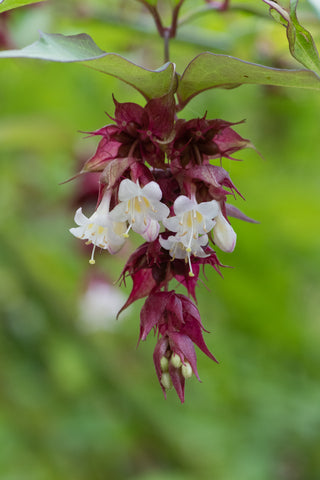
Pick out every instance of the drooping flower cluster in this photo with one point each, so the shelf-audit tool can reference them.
(156, 179)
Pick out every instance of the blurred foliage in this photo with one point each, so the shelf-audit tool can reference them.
(88, 406)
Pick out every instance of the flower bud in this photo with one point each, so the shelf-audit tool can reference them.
(164, 364)
(176, 360)
(186, 370)
(166, 381)
(223, 234)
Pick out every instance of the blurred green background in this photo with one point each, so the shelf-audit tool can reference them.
(78, 400)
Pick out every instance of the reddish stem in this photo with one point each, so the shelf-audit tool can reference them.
(174, 22)
(156, 17)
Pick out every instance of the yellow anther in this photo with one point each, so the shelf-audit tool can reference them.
(92, 261)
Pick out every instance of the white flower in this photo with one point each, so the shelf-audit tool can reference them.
(223, 234)
(178, 250)
(141, 207)
(191, 223)
(192, 219)
(100, 229)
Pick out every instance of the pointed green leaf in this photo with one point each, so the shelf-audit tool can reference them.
(10, 4)
(301, 43)
(209, 70)
(59, 48)
(81, 48)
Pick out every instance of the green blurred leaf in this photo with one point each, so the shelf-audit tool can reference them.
(10, 4)
(301, 43)
(81, 48)
(209, 70)
(150, 2)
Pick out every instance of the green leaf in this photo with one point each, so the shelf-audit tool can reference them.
(59, 48)
(10, 4)
(209, 70)
(151, 2)
(81, 48)
(301, 43)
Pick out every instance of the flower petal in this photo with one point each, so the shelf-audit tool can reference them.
(183, 204)
(152, 231)
(80, 218)
(209, 209)
(152, 192)
(172, 223)
(128, 189)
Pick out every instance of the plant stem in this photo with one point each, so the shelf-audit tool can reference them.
(164, 32)
(166, 39)
(156, 17)
(174, 22)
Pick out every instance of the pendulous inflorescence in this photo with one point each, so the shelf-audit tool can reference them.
(156, 179)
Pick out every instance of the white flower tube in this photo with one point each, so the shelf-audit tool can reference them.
(100, 229)
(223, 234)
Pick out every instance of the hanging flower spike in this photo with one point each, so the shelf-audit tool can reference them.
(141, 207)
(100, 229)
(192, 223)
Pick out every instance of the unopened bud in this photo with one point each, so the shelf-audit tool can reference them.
(166, 381)
(223, 234)
(164, 364)
(176, 360)
(186, 370)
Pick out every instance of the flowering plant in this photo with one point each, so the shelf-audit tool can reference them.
(162, 176)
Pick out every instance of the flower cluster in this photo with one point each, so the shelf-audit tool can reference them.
(156, 179)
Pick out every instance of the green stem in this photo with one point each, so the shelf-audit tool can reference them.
(166, 39)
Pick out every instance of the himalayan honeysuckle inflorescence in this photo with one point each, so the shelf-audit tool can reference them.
(157, 180)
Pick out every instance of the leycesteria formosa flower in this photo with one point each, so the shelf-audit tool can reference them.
(141, 208)
(100, 229)
(192, 223)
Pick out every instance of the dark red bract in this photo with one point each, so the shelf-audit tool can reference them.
(179, 325)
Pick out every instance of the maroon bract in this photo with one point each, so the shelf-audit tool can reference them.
(179, 326)
(139, 133)
(199, 139)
